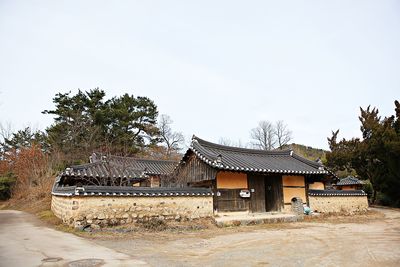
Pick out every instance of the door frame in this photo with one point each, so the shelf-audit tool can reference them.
(273, 196)
(256, 185)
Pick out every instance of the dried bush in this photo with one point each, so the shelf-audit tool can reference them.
(154, 224)
(33, 174)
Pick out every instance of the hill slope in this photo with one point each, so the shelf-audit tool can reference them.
(307, 152)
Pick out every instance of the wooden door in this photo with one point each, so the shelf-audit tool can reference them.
(273, 193)
(230, 200)
(257, 191)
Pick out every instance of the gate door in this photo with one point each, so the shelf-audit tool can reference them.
(257, 191)
(273, 193)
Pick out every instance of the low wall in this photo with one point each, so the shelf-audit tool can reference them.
(338, 204)
(79, 211)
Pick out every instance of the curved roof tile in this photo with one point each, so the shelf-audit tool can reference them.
(149, 166)
(280, 161)
(350, 180)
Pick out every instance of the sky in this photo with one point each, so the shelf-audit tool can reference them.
(215, 67)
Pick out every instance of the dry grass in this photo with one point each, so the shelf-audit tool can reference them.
(32, 203)
(149, 228)
(35, 200)
(200, 228)
(206, 228)
(48, 217)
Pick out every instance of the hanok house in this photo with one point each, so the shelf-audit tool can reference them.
(252, 180)
(104, 192)
(155, 170)
(349, 183)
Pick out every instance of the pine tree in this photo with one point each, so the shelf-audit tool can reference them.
(376, 157)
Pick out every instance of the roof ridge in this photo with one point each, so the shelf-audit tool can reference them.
(307, 161)
(159, 160)
(203, 142)
(86, 164)
(134, 158)
(100, 163)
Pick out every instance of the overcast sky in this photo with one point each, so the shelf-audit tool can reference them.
(216, 67)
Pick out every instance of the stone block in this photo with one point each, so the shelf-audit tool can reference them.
(95, 226)
(339, 204)
(93, 210)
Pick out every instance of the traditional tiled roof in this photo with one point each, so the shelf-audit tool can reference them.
(124, 191)
(253, 160)
(114, 169)
(315, 192)
(102, 169)
(350, 180)
(149, 166)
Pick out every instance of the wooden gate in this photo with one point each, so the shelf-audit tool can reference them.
(266, 193)
(230, 200)
(273, 193)
(257, 191)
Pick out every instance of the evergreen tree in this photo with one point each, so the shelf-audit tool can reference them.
(25, 138)
(376, 157)
(132, 123)
(78, 122)
(87, 121)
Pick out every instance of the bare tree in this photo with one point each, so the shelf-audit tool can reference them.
(5, 134)
(173, 140)
(263, 136)
(283, 134)
(267, 135)
(228, 142)
(5, 131)
(225, 141)
(241, 144)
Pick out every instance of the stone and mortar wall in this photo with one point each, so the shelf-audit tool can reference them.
(97, 211)
(338, 204)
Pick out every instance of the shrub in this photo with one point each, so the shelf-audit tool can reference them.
(368, 189)
(6, 183)
(385, 200)
(155, 224)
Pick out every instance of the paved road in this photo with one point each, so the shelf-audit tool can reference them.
(24, 241)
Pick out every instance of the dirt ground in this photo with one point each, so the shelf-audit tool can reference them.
(362, 240)
(371, 239)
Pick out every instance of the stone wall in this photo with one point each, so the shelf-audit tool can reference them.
(97, 211)
(338, 204)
